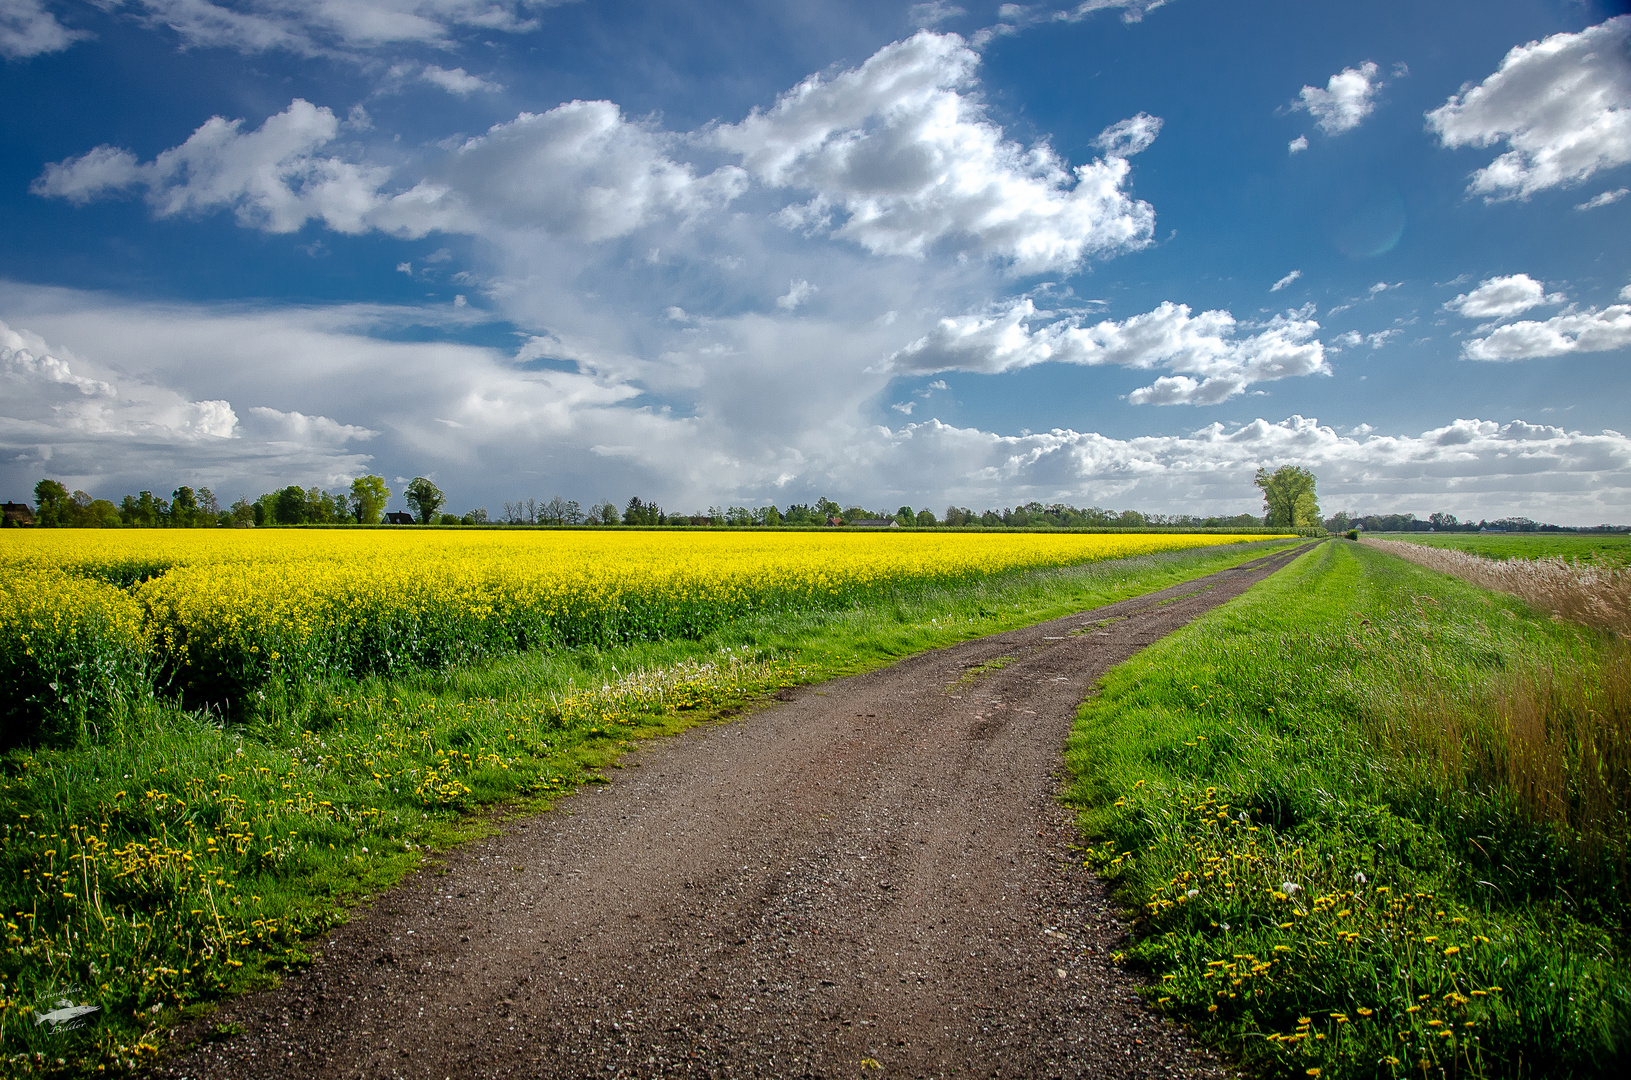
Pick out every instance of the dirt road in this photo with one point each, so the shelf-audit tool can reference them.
(873, 877)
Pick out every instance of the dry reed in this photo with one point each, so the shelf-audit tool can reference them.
(1596, 596)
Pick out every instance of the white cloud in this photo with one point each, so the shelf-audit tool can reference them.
(1606, 198)
(1297, 145)
(457, 81)
(272, 177)
(579, 170)
(1130, 136)
(27, 29)
(1470, 467)
(1347, 99)
(1578, 332)
(933, 13)
(904, 153)
(1502, 297)
(1287, 280)
(1349, 340)
(312, 27)
(797, 292)
(105, 426)
(1562, 106)
(1381, 287)
(725, 445)
(1209, 363)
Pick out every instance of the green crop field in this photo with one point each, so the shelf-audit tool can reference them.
(1374, 821)
(1612, 549)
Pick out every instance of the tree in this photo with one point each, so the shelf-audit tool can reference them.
(289, 506)
(368, 498)
(52, 500)
(603, 513)
(183, 507)
(925, 518)
(425, 497)
(1288, 497)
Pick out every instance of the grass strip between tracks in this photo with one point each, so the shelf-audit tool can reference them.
(1373, 822)
(175, 860)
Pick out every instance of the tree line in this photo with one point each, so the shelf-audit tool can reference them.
(363, 503)
(1288, 502)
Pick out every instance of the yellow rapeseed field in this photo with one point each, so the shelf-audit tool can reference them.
(216, 612)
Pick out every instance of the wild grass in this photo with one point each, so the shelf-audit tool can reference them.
(1374, 822)
(171, 858)
(1608, 549)
(1597, 594)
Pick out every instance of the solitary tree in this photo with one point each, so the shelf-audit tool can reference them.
(368, 498)
(1288, 497)
(52, 500)
(425, 497)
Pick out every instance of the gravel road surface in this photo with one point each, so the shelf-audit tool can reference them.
(869, 877)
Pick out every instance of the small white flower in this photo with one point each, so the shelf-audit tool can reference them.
(1359, 876)
(1289, 887)
(1193, 892)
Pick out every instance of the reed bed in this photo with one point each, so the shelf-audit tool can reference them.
(1594, 595)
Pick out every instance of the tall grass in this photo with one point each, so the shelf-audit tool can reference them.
(1374, 823)
(1597, 595)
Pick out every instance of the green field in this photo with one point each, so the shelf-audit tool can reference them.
(1374, 822)
(173, 859)
(1613, 549)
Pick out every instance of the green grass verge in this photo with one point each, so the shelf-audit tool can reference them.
(1611, 549)
(176, 859)
(1330, 877)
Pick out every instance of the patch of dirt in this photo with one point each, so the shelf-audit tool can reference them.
(872, 878)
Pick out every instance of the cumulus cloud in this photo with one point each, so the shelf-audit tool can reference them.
(900, 157)
(1578, 332)
(27, 29)
(1606, 198)
(797, 292)
(457, 81)
(86, 428)
(314, 27)
(1502, 297)
(1476, 466)
(580, 170)
(1287, 280)
(933, 13)
(1297, 145)
(1562, 106)
(1209, 363)
(1348, 97)
(272, 178)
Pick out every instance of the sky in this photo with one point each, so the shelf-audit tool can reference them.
(1120, 253)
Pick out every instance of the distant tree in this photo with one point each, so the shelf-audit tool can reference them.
(243, 512)
(905, 516)
(738, 515)
(603, 513)
(642, 513)
(51, 502)
(289, 505)
(368, 498)
(478, 516)
(143, 510)
(449, 519)
(183, 507)
(1288, 497)
(425, 497)
(771, 516)
(925, 518)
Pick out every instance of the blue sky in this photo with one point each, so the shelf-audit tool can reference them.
(1121, 252)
